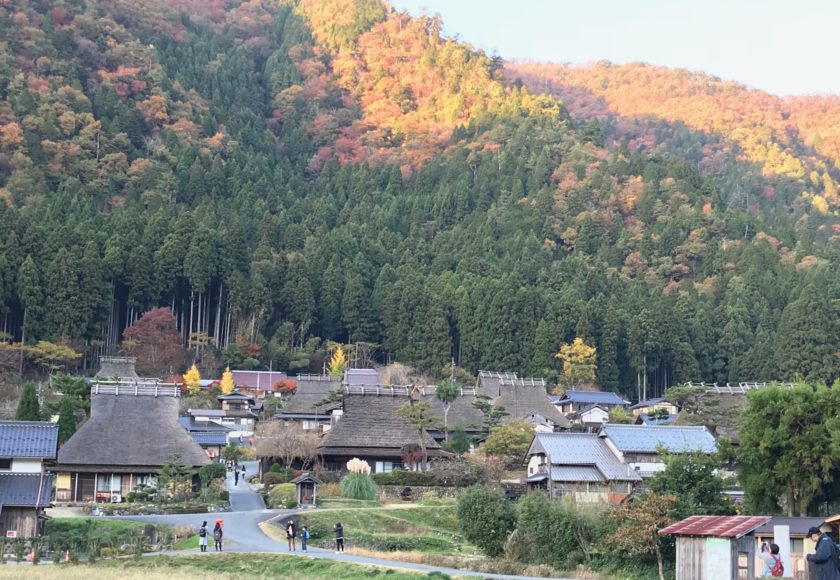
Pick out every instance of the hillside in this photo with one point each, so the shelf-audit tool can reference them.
(281, 174)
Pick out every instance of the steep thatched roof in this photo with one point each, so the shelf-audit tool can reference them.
(369, 423)
(519, 396)
(132, 431)
(117, 366)
(311, 390)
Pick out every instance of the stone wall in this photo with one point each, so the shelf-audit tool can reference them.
(420, 491)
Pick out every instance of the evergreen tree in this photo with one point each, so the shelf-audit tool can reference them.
(28, 408)
(808, 339)
(66, 419)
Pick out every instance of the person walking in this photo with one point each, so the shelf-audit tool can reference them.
(304, 538)
(339, 538)
(824, 556)
(202, 537)
(243, 473)
(235, 475)
(291, 534)
(218, 535)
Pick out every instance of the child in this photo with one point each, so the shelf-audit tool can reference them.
(291, 532)
(304, 537)
(218, 534)
(202, 537)
(339, 538)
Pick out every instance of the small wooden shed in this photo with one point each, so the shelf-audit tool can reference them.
(306, 487)
(716, 547)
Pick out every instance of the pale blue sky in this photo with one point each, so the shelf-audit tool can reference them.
(785, 47)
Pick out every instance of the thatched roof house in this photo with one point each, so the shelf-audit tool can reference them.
(520, 397)
(132, 432)
(370, 429)
(307, 404)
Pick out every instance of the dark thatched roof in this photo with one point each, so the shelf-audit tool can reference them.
(130, 433)
(117, 366)
(370, 422)
(311, 390)
(519, 396)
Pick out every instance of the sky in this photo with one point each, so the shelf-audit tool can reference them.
(784, 47)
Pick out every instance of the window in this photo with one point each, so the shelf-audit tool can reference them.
(5, 463)
(384, 467)
(103, 483)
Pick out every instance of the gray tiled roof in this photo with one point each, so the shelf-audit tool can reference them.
(798, 526)
(648, 403)
(191, 424)
(590, 398)
(579, 450)
(646, 438)
(21, 489)
(28, 439)
(575, 473)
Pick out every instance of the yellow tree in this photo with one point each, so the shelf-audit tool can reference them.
(227, 382)
(578, 361)
(338, 362)
(192, 379)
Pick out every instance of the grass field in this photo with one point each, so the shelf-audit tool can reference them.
(216, 566)
(422, 528)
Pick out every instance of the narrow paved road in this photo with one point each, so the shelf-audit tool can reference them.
(243, 531)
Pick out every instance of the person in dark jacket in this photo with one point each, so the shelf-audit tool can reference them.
(824, 556)
(339, 537)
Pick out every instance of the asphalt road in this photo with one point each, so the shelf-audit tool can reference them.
(244, 534)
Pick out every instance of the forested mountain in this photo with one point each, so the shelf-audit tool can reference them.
(284, 173)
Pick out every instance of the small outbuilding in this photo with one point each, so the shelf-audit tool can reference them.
(306, 489)
(716, 547)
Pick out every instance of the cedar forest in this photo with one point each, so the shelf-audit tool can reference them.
(285, 173)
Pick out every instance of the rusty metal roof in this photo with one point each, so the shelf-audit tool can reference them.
(716, 526)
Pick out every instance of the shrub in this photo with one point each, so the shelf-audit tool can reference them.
(214, 470)
(224, 495)
(485, 518)
(358, 485)
(282, 495)
(275, 468)
(400, 477)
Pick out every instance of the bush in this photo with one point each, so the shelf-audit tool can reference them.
(214, 470)
(559, 534)
(275, 468)
(400, 477)
(224, 495)
(359, 485)
(485, 518)
(282, 495)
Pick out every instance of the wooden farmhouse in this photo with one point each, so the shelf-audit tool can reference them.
(27, 448)
(240, 411)
(132, 432)
(522, 398)
(716, 547)
(590, 419)
(309, 406)
(648, 406)
(579, 466)
(638, 445)
(371, 430)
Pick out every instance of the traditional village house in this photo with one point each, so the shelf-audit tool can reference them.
(117, 367)
(212, 436)
(309, 406)
(590, 418)
(650, 405)
(258, 383)
(579, 466)
(575, 401)
(522, 398)
(716, 547)
(27, 448)
(638, 445)
(371, 430)
(240, 412)
(132, 432)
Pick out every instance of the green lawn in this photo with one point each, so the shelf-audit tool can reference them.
(217, 566)
(423, 528)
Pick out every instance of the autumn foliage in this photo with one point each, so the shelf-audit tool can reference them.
(155, 341)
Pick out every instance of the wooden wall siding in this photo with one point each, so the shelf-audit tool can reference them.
(745, 545)
(691, 558)
(23, 520)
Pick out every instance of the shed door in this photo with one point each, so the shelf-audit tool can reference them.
(691, 558)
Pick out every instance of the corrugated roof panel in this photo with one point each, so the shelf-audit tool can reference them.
(21, 489)
(647, 438)
(28, 439)
(716, 526)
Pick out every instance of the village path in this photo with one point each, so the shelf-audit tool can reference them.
(242, 529)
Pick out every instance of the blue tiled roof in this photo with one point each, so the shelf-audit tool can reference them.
(590, 397)
(21, 489)
(219, 438)
(646, 438)
(28, 439)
